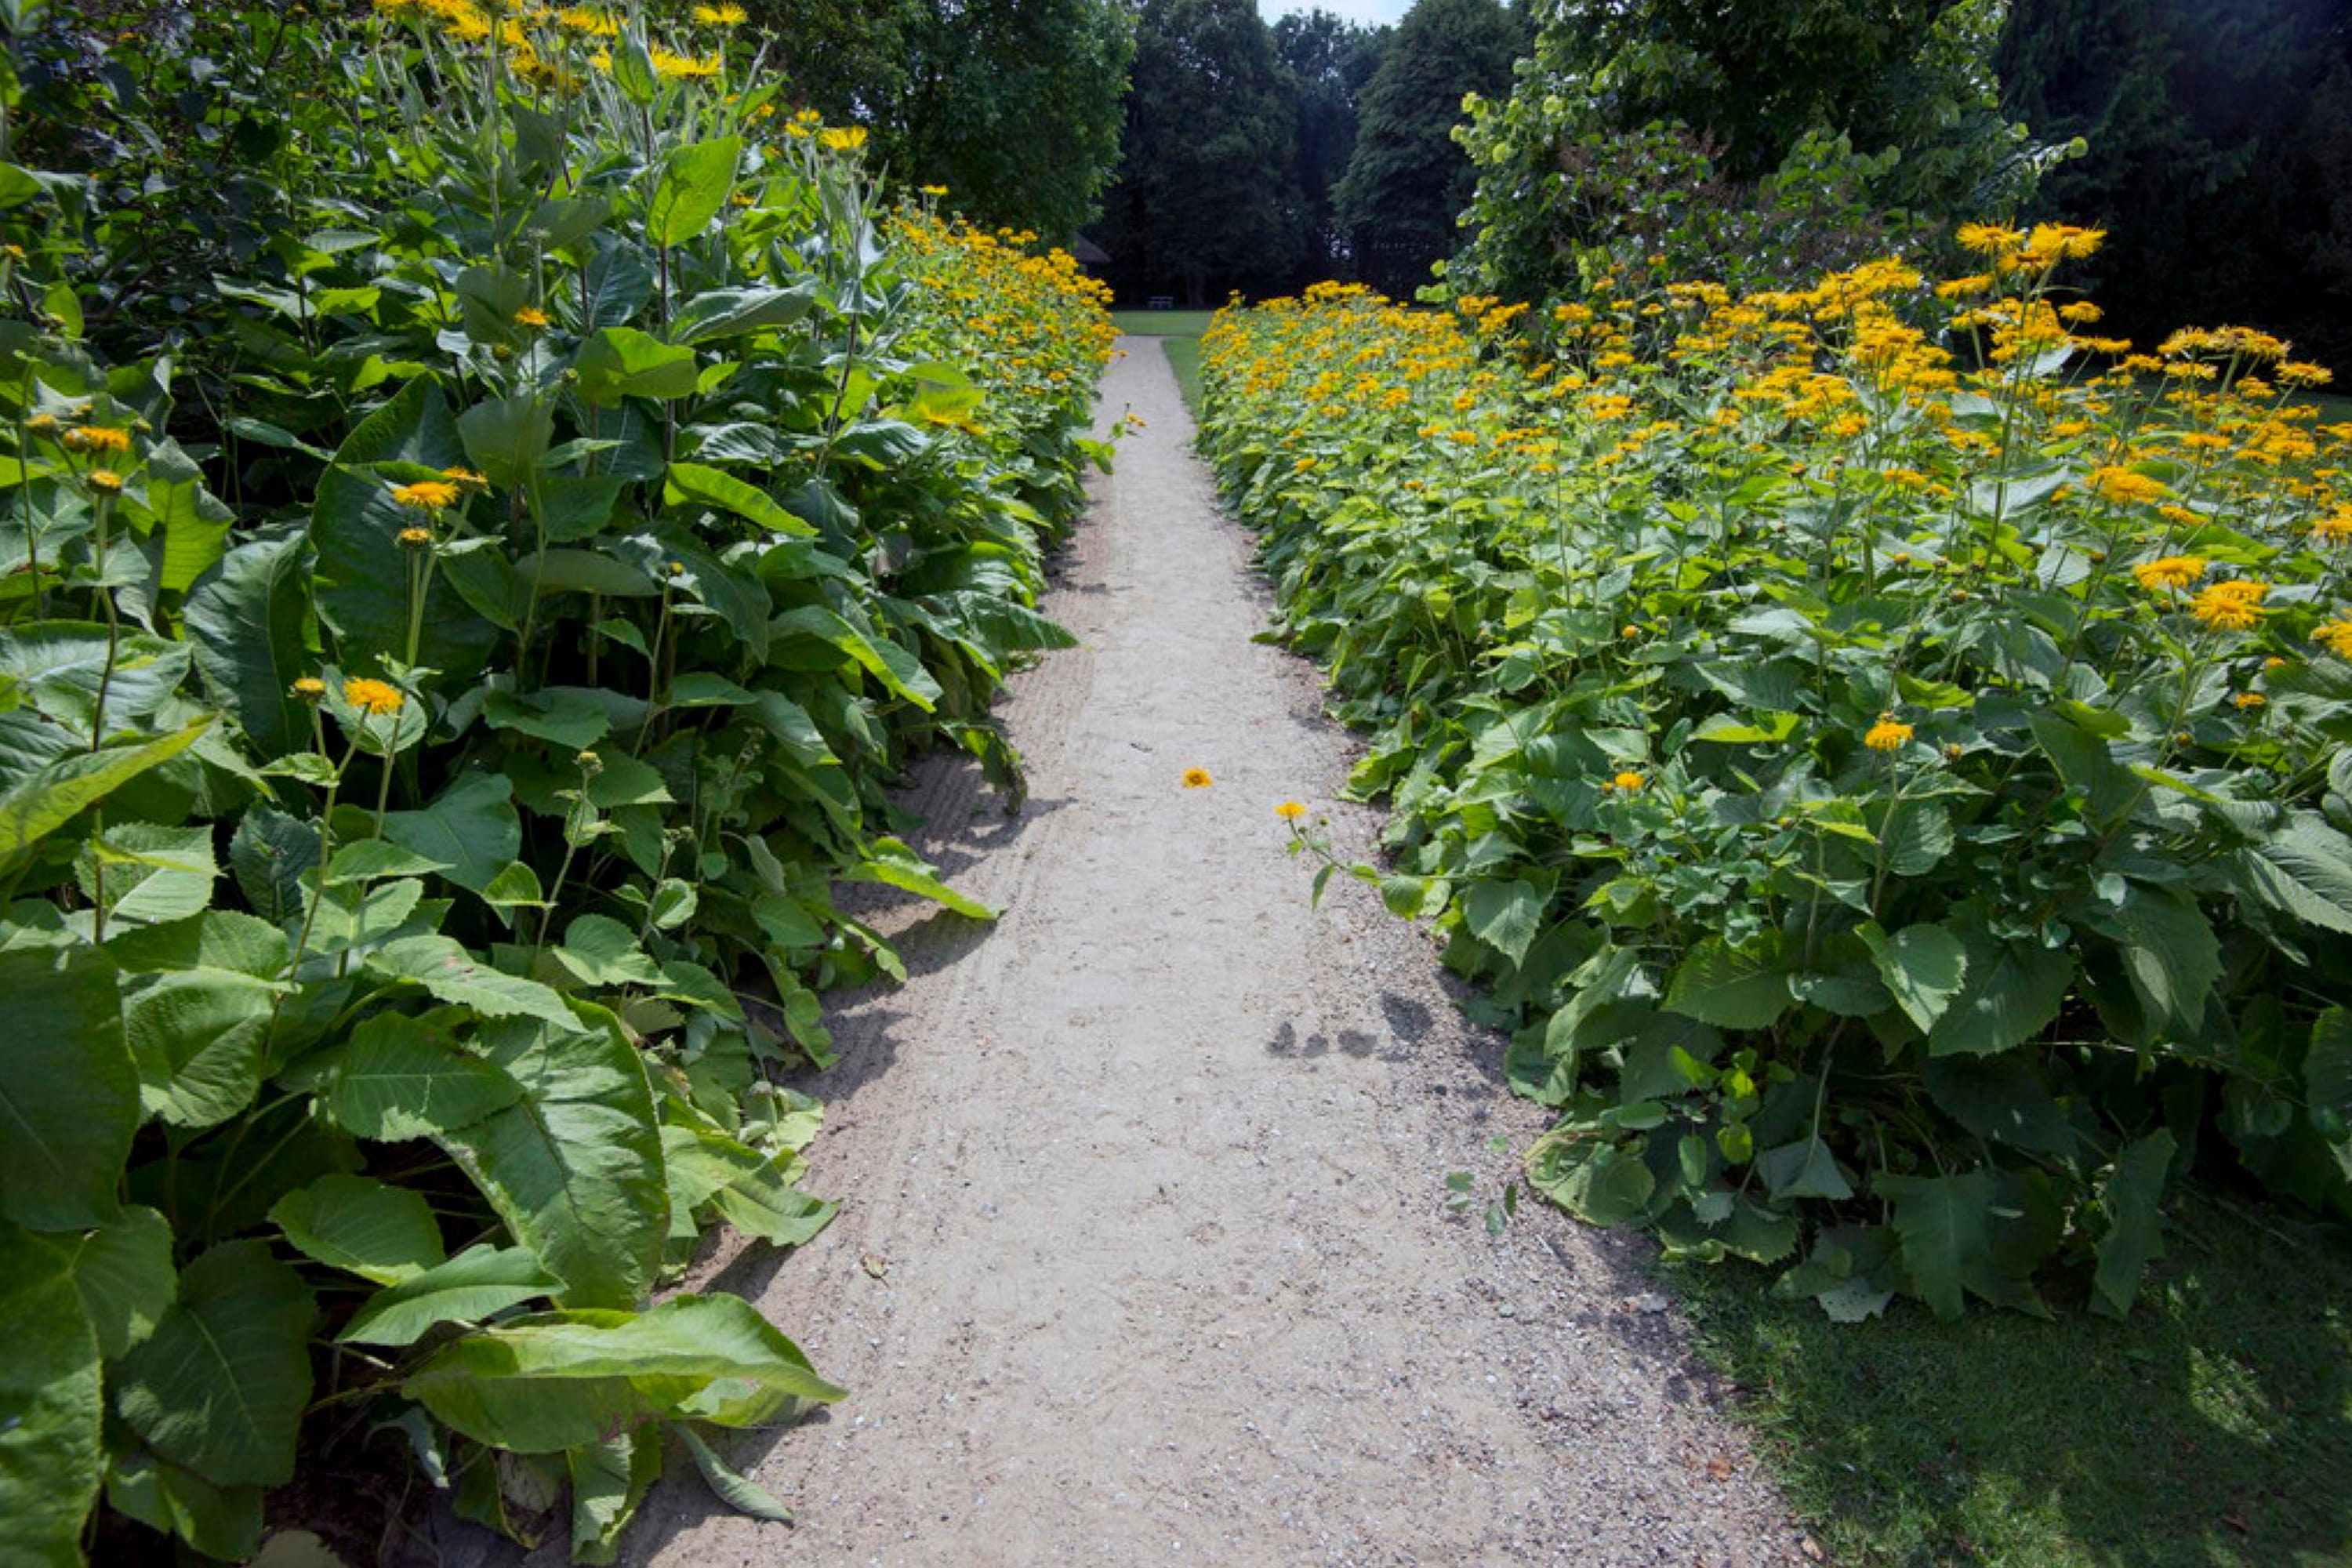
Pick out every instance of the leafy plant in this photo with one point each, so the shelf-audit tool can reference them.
(420, 862)
(1883, 744)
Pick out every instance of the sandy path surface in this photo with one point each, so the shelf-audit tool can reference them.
(1154, 1170)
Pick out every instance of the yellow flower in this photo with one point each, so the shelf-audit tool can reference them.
(2335, 527)
(105, 480)
(843, 138)
(1887, 735)
(2248, 699)
(1628, 781)
(414, 538)
(935, 191)
(42, 424)
(2171, 572)
(309, 689)
(721, 15)
(97, 439)
(2336, 637)
(2123, 486)
(1197, 778)
(426, 495)
(1290, 811)
(466, 479)
(373, 697)
(2235, 605)
(530, 316)
(1990, 240)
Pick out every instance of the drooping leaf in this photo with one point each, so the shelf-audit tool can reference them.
(2009, 992)
(686, 483)
(467, 1288)
(1946, 1225)
(1731, 989)
(609, 1480)
(891, 863)
(400, 1077)
(68, 1089)
(53, 795)
(1508, 916)
(1923, 966)
(444, 967)
(2135, 1236)
(622, 361)
(246, 623)
(694, 185)
(50, 1463)
(370, 1227)
(220, 1385)
(123, 1271)
(471, 827)
(733, 1489)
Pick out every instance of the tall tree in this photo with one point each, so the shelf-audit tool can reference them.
(1013, 105)
(1206, 196)
(1407, 181)
(1330, 60)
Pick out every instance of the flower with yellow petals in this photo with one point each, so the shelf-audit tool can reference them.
(97, 439)
(309, 689)
(375, 697)
(2170, 573)
(2235, 605)
(1627, 781)
(1888, 734)
(530, 316)
(1197, 778)
(426, 495)
(2336, 637)
(1290, 811)
(105, 480)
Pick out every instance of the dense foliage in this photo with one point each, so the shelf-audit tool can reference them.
(1745, 144)
(426, 759)
(1882, 742)
(1012, 105)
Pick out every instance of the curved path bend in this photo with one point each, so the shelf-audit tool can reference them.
(1146, 1256)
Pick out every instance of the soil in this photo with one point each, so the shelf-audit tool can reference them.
(1146, 1255)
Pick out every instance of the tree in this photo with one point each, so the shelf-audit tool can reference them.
(1329, 61)
(1407, 181)
(1206, 195)
(1013, 105)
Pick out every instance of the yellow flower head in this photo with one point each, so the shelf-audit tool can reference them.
(530, 316)
(2336, 637)
(843, 138)
(1989, 239)
(1627, 781)
(309, 689)
(1887, 735)
(2171, 572)
(105, 480)
(42, 424)
(1290, 811)
(1197, 778)
(2235, 605)
(721, 15)
(373, 697)
(426, 495)
(466, 479)
(2248, 699)
(2334, 528)
(414, 538)
(2122, 486)
(97, 439)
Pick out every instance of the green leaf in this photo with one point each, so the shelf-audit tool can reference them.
(2135, 1236)
(2010, 993)
(68, 1089)
(729, 313)
(476, 1284)
(221, 1383)
(603, 952)
(565, 718)
(2303, 870)
(444, 967)
(2327, 1074)
(738, 1492)
(609, 1480)
(1804, 1169)
(694, 185)
(271, 855)
(1598, 1182)
(124, 1273)
(399, 1078)
(898, 672)
(1946, 1225)
(366, 859)
(247, 621)
(574, 1169)
(56, 793)
(684, 483)
(1720, 984)
(152, 873)
(2002, 1098)
(1923, 967)
(622, 361)
(196, 1036)
(1508, 916)
(506, 437)
(222, 1522)
(2171, 954)
(891, 863)
(50, 1458)
(471, 827)
(368, 1228)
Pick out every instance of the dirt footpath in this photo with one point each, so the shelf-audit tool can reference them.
(1146, 1256)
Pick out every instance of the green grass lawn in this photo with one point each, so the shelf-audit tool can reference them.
(2212, 1430)
(1163, 323)
(1184, 358)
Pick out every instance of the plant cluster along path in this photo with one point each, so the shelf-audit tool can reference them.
(1148, 1259)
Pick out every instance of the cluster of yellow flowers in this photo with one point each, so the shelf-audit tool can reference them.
(1031, 324)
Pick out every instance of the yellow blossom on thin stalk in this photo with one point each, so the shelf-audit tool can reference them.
(2122, 486)
(530, 316)
(426, 495)
(2171, 572)
(1626, 781)
(97, 439)
(105, 480)
(2235, 605)
(1888, 734)
(1290, 811)
(375, 697)
(309, 689)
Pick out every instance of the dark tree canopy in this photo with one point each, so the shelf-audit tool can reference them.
(1407, 181)
(1013, 105)
(1330, 60)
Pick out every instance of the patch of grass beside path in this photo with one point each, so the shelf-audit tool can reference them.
(1161, 324)
(2212, 1430)
(1185, 358)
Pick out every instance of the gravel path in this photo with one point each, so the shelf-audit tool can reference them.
(1146, 1256)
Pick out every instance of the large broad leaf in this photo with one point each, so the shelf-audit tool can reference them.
(247, 621)
(1730, 988)
(505, 437)
(574, 1169)
(740, 598)
(192, 520)
(891, 863)
(196, 1036)
(2305, 870)
(468, 1287)
(1507, 916)
(622, 361)
(124, 1273)
(223, 1522)
(43, 800)
(1923, 967)
(729, 313)
(2011, 991)
(573, 1378)
(371, 1229)
(2135, 1236)
(471, 827)
(221, 1383)
(400, 1077)
(50, 1463)
(694, 185)
(2327, 1080)
(686, 483)
(1946, 1223)
(143, 873)
(444, 967)
(609, 1480)
(270, 853)
(900, 671)
(617, 285)
(2171, 954)
(1598, 1182)
(2000, 1097)
(68, 1090)
(362, 580)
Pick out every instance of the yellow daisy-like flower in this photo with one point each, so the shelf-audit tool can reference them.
(97, 439)
(1887, 735)
(2250, 700)
(935, 191)
(843, 138)
(1987, 238)
(530, 316)
(2122, 486)
(1628, 782)
(105, 480)
(1290, 811)
(414, 538)
(309, 689)
(2171, 572)
(721, 15)
(466, 479)
(2336, 637)
(2235, 605)
(2334, 528)
(373, 697)
(426, 495)
(42, 424)
(1197, 778)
